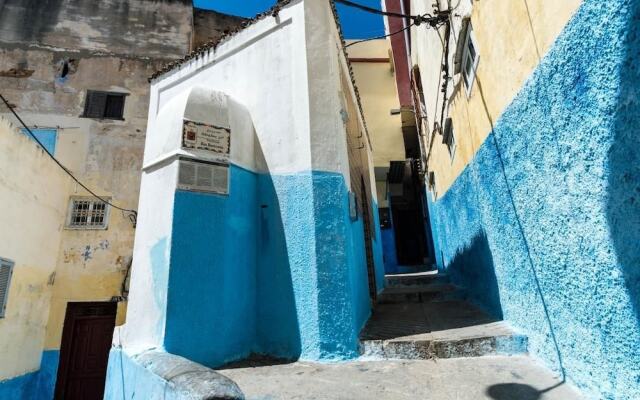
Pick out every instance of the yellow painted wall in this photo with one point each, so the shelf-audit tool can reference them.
(377, 85)
(512, 37)
(105, 154)
(33, 201)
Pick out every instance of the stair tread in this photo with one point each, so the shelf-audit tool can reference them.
(437, 330)
(447, 320)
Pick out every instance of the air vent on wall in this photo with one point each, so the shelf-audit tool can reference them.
(202, 176)
(6, 270)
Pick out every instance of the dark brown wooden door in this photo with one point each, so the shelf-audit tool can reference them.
(84, 354)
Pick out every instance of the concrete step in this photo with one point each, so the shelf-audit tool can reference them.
(426, 349)
(417, 279)
(421, 293)
(447, 329)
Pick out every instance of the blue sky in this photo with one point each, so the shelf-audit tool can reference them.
(356, 24)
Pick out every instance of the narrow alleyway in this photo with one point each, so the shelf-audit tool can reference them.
(422, 342)
(423, 316)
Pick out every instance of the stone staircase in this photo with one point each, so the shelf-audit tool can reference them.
(424, 316)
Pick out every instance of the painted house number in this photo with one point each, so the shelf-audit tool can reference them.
(206, 137)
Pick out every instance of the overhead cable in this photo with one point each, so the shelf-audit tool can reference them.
(375, 10)
(417, 19)
(383, 36)
(133, 214)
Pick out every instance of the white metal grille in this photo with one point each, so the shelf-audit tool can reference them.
(203, 176)
(6, 270)
(88, 213)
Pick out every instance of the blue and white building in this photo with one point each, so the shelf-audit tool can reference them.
(257, 228)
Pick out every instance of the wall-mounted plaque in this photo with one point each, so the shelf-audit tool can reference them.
(206, 137)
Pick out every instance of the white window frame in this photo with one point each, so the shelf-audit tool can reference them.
(6, 263)
(93, 201)
(468, 80)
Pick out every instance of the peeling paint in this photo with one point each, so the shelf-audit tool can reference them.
(86, 253)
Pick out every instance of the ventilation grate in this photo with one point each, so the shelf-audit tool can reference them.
(6, 270)
(202, 176)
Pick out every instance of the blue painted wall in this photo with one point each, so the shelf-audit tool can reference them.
(20, 387)
(543, 227)
(277, 267)
(47, 375)
(128, 380)
(48, 137)
(391, 265)
(313, 289)
(38, 385)
(212, 280)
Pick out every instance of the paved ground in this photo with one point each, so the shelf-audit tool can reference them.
(497, 378)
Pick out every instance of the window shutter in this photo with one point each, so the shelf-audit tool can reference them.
(95, 104)
(462, 39)
(447, 133)
(114, 107)
(6, 270)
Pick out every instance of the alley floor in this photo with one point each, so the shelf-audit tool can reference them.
(493, 377)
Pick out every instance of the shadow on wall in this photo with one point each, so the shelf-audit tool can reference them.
(277, 323)
(623, 203)
(473, 269)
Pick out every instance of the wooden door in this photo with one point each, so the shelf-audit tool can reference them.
(84, 354)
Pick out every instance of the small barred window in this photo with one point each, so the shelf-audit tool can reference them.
(87, 213)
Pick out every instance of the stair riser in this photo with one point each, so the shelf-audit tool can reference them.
(398, 298)
(426, 350)
(422, 280)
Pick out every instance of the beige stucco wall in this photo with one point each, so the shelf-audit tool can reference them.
(512, 37)
(105, 155)
(377, 85)
(33, 200)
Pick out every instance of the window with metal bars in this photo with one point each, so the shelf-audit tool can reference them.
(87, 213)
(104, 105)
(6, 271)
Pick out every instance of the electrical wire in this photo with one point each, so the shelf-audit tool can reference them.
(376, 11)
(427, 18)
(382, 36)
(133, 214)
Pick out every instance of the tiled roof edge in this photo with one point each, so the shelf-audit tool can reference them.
(273, 11)
(200, 51)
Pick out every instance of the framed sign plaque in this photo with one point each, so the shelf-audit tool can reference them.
(206, 137)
